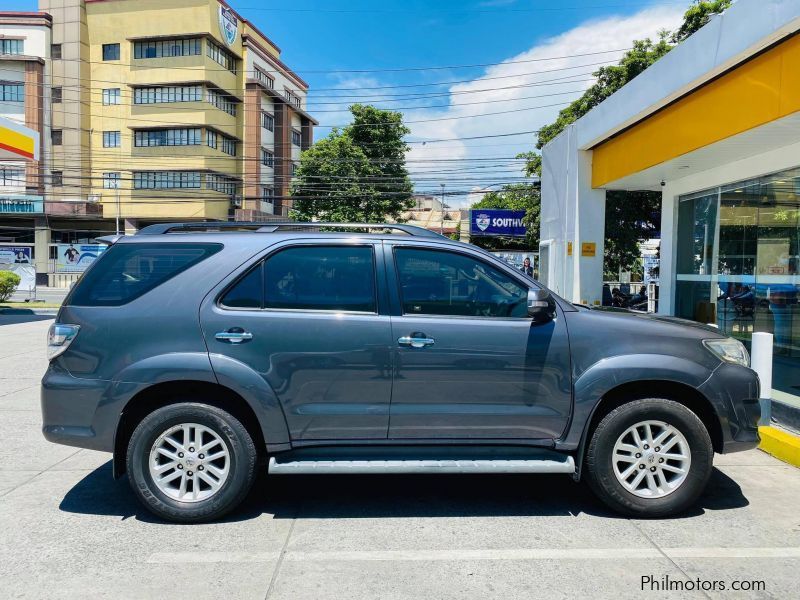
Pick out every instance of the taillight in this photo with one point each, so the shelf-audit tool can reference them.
(59, 337)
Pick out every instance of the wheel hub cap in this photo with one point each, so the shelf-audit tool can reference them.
(189, 462)
(651, 459)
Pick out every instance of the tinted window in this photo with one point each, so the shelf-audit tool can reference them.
(248, 292)
(110, 51)
(126, 271)
(321, 278)
(445, 283)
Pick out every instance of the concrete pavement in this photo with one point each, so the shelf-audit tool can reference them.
(68, 530)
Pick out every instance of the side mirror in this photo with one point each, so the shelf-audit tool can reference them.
(541, 305)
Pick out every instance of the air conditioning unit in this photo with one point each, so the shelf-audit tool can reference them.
(94, 198)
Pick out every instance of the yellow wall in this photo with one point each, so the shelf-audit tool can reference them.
(760, 91)
(116, 21)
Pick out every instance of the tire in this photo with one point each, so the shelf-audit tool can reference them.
(201, 487)
(670, 492)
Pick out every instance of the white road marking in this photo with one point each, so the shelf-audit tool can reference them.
(478, 554)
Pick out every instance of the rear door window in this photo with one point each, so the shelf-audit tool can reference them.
(126, 271)
(340, 278)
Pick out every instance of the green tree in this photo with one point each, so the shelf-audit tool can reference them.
(630, 218)
(357, 174)
(643, 54)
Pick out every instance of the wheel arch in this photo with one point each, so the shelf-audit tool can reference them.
(624, 393)
(172, 392)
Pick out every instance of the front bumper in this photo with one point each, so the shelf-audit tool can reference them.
(734, 391)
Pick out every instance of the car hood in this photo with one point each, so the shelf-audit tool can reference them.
(632, 314)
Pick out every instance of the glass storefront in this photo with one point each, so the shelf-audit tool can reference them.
(738, 265)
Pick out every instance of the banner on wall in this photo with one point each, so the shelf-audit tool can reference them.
(76, 258)
(19, 260)
(497, 222)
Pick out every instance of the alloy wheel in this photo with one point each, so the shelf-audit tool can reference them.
(189, 462)
(651, 459)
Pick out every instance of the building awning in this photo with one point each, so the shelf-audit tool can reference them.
(18, 141)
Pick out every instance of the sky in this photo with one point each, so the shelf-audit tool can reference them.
(447, 63)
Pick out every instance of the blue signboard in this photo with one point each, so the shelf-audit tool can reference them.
(497, 222)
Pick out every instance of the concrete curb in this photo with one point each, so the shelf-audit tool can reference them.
(29, 311)
(781, 444)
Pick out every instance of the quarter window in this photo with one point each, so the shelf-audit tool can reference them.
(248, 291)
(340, 278)
(433, 282)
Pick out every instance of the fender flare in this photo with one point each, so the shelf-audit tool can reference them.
(610, 373)
(196, 366)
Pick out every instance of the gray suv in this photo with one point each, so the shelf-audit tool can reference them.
(199, 353)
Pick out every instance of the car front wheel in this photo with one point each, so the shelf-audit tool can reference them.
(191, 462)
(649, 458)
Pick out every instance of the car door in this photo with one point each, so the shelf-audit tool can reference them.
(306, 318)
(469, 362)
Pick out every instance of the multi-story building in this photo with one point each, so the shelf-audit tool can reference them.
(24, 98)
(173, 109)
(148, 111)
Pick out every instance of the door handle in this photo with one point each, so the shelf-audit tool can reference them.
(416, 340)
(235, 335)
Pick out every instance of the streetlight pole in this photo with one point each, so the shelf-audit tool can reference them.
(441, 223)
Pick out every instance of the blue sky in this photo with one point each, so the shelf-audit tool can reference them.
(534, 40)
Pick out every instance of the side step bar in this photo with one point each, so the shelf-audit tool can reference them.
(557, 464)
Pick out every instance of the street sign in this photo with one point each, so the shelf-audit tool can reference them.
(497, 222)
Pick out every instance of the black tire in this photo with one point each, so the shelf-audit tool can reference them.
(604, 482)
(242, 467)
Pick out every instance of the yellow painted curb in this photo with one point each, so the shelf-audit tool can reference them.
(780, 444)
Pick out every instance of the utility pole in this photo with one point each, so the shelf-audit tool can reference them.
(441, 223)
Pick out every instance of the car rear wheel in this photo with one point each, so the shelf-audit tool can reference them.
(649, 458)
(191, 462)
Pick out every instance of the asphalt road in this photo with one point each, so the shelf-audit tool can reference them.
(68, 530)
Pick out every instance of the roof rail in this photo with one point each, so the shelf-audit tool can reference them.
(276, 226)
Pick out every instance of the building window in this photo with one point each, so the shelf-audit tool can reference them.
(221, 101)
(168, 137)
(12, 177)
(150, 180)
(295, 167)
(111, 96)
(55, 51)
(56, 95)
(167, 48)
(221, 56)
(57, 137)
(57, 178)
(229, 146)
(168, 94)
(12, 92)
(296, 137)
(111, 181)
(264, 78)
(111, 139)
(267, 193)
(267, 158)
(110, 51)
(11, 46)
(293, 98)
(267, 121)
(211, 139)
(221, 183)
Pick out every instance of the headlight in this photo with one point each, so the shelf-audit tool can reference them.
(729, 350)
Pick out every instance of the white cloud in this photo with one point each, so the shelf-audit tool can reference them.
(484, 96)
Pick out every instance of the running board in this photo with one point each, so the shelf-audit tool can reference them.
(552, 464)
